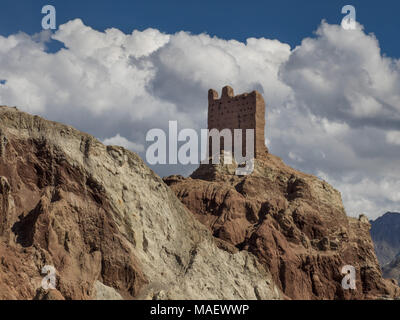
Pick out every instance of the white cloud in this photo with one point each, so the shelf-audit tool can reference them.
(341, 74)
(123, 142)
(393, 137)
(372, 196)
(333, 103)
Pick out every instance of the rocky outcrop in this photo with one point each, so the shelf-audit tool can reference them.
(293, 222)
(110, 226)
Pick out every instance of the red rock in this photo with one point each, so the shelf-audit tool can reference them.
(293, 222)
(108, 225)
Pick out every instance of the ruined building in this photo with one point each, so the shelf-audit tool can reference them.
(244, 111)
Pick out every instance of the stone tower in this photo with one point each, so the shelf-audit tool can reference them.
(244, 111)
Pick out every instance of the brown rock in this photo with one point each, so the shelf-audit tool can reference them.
(51, 294)
(55, 213)
(110, 226)
(293, 222)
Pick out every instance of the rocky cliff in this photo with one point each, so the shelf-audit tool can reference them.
(293, 222)
(110, 227)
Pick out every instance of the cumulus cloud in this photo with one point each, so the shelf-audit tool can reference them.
(341, 75)
(346, 101)
(367, 194)
(333, 102)
(124, 142)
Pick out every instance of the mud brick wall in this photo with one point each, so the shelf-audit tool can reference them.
(244, 111)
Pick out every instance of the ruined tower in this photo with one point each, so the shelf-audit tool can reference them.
(244, 111)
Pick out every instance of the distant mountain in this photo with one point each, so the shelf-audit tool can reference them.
(385, 233)
(392, 269)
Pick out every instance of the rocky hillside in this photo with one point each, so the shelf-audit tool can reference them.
(110, 227)
(385, 233)
(293, 222)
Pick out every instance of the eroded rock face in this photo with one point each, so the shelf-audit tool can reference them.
(293, 222)
(106, 222)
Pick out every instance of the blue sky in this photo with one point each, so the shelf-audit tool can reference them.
(287, 20)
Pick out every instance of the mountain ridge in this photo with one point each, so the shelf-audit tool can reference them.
(385, 233)
(110, 226)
